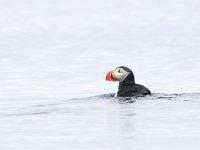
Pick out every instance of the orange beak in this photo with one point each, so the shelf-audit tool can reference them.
(110, 76)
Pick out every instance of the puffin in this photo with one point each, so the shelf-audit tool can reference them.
(127, 86)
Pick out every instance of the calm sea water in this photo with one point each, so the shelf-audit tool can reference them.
(54, 56)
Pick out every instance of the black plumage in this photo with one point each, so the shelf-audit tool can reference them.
(128, 87)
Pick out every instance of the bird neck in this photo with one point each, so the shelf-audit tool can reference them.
(129, 80)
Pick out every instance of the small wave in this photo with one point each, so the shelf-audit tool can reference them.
(76, 104)
(153, 96)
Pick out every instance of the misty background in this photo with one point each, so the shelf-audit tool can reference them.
(53, 48)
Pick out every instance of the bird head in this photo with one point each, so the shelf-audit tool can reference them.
(118, 74)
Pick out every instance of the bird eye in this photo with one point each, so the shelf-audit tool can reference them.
(119, 71)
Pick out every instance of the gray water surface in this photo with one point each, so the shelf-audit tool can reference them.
(160, 121)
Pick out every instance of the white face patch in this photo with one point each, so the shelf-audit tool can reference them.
(120, 74)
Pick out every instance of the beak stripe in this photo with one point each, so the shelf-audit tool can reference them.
(108, 76)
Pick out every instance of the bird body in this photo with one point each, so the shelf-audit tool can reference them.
(127, 86)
